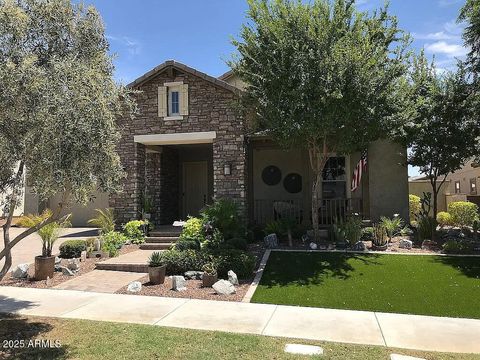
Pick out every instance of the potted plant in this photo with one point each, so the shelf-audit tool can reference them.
(210, 275)
(45, 263)
(380, 240)
(147, 208)
(156, 268)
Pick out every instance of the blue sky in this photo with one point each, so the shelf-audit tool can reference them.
(145, 33)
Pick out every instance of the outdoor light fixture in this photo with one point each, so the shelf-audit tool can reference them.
(227, 169)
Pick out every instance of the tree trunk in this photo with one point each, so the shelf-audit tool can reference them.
(315, 206)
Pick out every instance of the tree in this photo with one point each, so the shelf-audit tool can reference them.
(471, 14)
(58, 105)
(321, 76)
(443, 131)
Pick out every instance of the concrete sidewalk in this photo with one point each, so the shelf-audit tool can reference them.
(360, 327)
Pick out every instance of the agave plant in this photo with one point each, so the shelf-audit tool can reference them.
(105, 220)
(155, 259)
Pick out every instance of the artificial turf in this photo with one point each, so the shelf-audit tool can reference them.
(422, 284)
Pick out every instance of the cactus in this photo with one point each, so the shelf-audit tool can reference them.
(379, 235)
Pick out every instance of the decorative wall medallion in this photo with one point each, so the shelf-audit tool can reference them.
(293, 183)
(271, 175)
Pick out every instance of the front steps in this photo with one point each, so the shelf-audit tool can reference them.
(159, 239)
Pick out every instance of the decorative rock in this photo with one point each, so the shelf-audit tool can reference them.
(313, 246)
(20, 271)
(303, 349)
(405, 244)
(97, 245)
(57, 260)
(48, 282)
(232, 277)
(359, 246)
(193, 275)
(224, 287)
(178, 283)
(134, 287)
(66, 271)
(271, 241)
(73, 264)
(83, 256)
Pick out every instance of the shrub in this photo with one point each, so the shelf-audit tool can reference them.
(224, 215)
(414, 205)
(458, 247)
(426, 226)
(133, 230)
(112, 242)
(105, 220)
(463, 213)
(193, 229)
(185, 243)
(236, 243)
(444, 218)
(367, 233)
(241, 262)
(72, 248)
(274, 227)
(178, 262)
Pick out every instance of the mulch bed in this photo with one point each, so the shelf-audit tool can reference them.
(58, 278)
(194, 290)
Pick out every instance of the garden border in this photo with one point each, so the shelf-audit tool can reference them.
(258, 276)
(376, 252)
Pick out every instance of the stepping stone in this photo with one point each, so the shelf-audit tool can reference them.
(403, 357)
(300, 349)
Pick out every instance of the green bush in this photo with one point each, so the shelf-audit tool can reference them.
(236, 243)
(193, 229)
(367, 233)
(458, 247)
(133, 230)
(241, 262)
(444, 219)
(112, 242)
(178, 262)
(463, 213)
(414, 205)
(225, 216)
(426, 226)
(72, 248)
(185, 243)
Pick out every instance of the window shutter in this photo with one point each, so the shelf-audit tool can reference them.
(184, 100)
(162, 101)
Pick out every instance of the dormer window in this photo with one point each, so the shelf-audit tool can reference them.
(173, 100)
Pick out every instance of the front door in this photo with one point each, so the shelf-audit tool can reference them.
(195, 187)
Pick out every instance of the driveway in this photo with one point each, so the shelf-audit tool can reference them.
(26, 250)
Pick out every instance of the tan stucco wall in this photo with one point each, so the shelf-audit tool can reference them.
(464, 175)
(418, 187)
(387, 180)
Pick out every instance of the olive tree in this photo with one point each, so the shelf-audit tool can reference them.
(58, 105)
(322, 76)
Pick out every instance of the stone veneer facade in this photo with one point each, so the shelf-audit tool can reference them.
(211, 108)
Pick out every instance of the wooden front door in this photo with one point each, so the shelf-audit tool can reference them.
(195, 187)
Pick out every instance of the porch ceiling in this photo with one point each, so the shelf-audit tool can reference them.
(205, 137)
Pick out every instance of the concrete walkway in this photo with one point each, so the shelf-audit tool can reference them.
(361, 327)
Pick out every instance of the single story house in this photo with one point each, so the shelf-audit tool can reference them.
(188, 145)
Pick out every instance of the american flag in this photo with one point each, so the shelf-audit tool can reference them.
(359, 170)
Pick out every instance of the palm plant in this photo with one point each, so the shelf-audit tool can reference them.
(392, 226)
(105, 220)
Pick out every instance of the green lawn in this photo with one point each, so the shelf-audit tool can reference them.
(427, 285)
(82, 339)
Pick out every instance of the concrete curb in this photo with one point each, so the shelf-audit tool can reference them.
(253, 286)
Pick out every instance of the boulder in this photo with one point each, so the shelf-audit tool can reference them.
(66, 271)
(224, 287)
(232, 277)
(57, 260)
(359, 246)
(193, 275)
(73, 264)
(178, 283)
(134, 287)
(20, 271)
(313, 246)
(271, 241)
(405, 244)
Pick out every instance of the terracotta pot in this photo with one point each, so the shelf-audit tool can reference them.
(209, 280)
(156, 274)
(44, 267)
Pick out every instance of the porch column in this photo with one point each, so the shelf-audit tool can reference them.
(152, 183)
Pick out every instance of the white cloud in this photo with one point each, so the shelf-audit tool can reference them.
(133, 46)
(440, 35)
(445, 3)
(448, 49)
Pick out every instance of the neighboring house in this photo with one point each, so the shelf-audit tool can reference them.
(188, 145)
(459, 186)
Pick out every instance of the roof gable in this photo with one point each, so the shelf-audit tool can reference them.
(183, 68)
